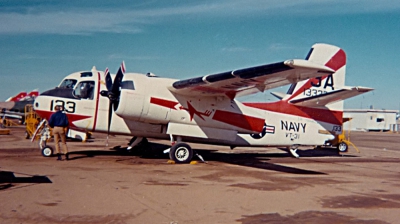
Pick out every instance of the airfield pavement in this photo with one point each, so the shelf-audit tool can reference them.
(108, 185)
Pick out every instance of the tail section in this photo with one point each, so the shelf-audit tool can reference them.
(17, 97)
(34, 93)
(313, 92)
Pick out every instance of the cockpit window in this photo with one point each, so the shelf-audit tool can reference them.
(84, 90)
(86, 74)
(127, 85)
(68, 83)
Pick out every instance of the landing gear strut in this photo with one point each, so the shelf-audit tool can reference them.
(293, 151)
(134, 142)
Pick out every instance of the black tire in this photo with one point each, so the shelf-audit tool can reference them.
(181, 153)
(343, 147)
(47, 151)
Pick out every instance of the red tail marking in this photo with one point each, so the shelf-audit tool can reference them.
(17, 97)
(335, 63)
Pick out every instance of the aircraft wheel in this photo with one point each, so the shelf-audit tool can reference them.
(181, 153)
(47, 151)
(343, 147)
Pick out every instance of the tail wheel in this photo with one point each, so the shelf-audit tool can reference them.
(343, 147)
(181, 153)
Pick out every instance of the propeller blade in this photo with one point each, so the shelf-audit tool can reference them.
(110, 111)
(108, 79)
(115, 90)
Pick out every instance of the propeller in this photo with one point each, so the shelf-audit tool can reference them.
(113, 92)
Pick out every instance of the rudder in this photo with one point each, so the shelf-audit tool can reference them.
(330, 56)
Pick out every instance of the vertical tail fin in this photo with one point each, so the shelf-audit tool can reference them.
(330, 56)
(17, 97)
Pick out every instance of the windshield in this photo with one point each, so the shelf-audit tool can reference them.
(84, 90)
(68, 83)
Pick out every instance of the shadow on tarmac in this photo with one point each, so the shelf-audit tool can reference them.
(8, 179)
(251, 159)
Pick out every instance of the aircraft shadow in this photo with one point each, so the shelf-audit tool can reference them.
(8, 179)
(254, 160)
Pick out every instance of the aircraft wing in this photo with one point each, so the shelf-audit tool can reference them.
(10, 114)
(331, 97)
(250, 80)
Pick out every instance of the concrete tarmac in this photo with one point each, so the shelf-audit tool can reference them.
(110, 185)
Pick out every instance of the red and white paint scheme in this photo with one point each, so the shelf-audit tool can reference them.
(205, 110)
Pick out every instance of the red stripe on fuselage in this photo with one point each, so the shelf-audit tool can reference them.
(323, 115)
(71, 117)
(164, 103)
(235, 119)
(239, 120)
(97, 102)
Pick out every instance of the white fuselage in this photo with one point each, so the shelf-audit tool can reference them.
(148, 109)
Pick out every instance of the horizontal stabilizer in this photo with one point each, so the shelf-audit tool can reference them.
(330, 97)
(279, 95)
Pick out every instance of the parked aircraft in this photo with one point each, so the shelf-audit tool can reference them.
(205, 110)
(14, 106)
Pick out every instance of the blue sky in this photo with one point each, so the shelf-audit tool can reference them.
(43, 41)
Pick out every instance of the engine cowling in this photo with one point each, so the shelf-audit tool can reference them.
(130, 105)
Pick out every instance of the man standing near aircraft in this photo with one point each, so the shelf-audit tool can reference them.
(59, 122)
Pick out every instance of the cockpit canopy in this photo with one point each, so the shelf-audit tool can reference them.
(68, 83)
(84, 90)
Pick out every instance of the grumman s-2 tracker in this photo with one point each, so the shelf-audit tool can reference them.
(205, 110)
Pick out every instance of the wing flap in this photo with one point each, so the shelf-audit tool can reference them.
(201, 132)
(250, 80)
(331, 97)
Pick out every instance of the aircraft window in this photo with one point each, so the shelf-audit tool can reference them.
(86, 74)
(127, 85)
(84, 90)
(68, 83)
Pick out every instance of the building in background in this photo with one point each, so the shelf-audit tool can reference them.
(371, 120)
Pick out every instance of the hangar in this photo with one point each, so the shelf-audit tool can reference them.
(371, 120)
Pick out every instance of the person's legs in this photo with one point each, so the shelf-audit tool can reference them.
(56, 133)
(64, 143)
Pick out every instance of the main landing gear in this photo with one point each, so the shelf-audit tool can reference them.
(135, 141)
(181, 152)
(293, 151)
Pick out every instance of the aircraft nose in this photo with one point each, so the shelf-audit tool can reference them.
(37, 102)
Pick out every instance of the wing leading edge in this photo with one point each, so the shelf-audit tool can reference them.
(250, 80)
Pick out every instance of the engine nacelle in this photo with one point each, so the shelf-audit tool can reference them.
(134, 105)
(130, 105)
